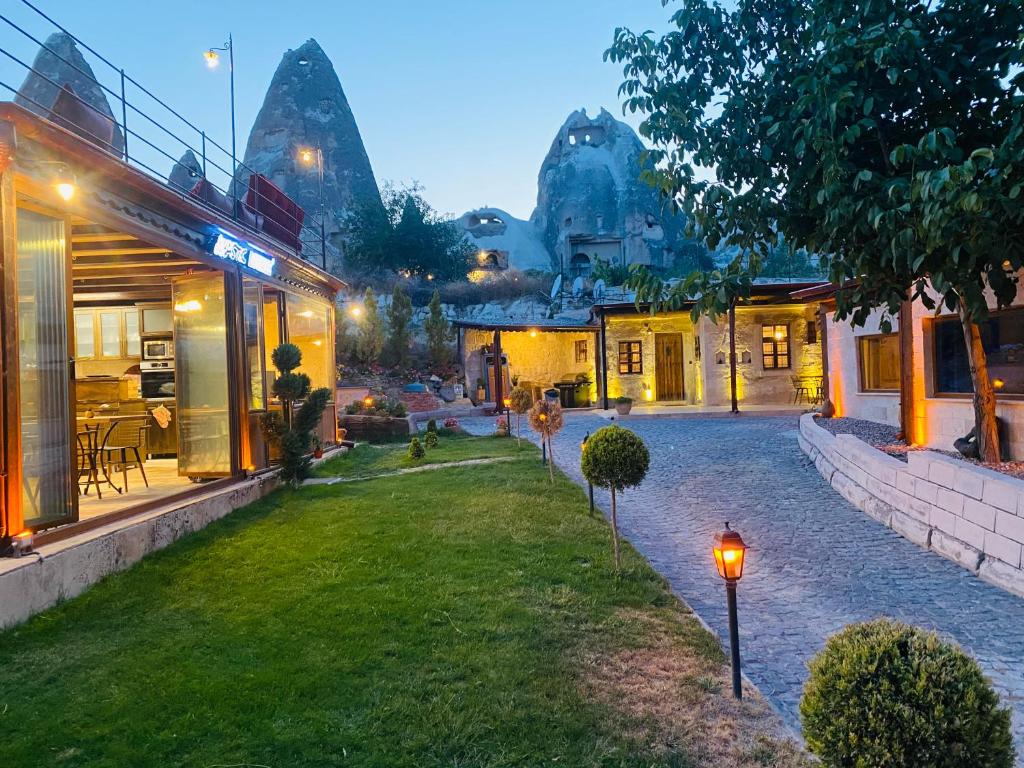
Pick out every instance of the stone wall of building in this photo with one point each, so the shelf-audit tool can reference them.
(964, 512)
(537, 360)
(642, 328)
(755, 384)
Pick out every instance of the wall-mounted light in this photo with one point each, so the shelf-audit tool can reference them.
(998, 383)
(356, 311)
(648, 393)
(533, 333)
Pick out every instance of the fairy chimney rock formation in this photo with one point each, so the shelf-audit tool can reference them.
(592, 203)
(186, 172)
(60, 63)
(305, 108)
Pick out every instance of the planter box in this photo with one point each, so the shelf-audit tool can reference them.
(374, 429)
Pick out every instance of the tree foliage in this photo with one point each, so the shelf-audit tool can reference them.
(406, 236)
(884, 136)
(370, 338)
(399, 338)
(438, 332)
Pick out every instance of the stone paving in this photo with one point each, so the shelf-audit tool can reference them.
(816, 563)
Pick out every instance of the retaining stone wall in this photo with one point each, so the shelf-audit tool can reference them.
(966, 513)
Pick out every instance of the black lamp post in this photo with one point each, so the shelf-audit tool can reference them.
(212, 60)
(590, 485)
(730, 551)
(507, 402)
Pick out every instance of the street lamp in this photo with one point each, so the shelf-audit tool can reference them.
(730, 551)
(590, 485)
(507, 402)
(213, 61)
(308, 157)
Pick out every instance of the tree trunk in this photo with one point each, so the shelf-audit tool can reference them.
(551, 460)
(519, 430)
(615, 533)
(985, 424)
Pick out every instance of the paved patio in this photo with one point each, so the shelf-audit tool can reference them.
(816, 563)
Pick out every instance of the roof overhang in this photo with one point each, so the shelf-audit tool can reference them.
(151, 193)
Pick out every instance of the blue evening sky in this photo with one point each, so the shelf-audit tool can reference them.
(464, 97)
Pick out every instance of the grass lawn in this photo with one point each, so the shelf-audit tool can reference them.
(466, 616)
(367, 459)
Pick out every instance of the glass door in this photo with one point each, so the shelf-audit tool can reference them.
(201, 376)
(48, 495)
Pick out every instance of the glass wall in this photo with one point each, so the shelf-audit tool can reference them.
(201, 376)
(271, 336)
(252, 316)
(43, 375)
(309, 329)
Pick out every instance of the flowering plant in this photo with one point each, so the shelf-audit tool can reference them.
(451, 423)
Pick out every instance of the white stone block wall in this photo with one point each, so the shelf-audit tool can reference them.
(964, 512)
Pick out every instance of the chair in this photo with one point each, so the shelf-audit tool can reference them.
(88, 448)
(122, 449)
(801, 389)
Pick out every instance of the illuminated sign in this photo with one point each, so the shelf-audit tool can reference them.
(226, 247)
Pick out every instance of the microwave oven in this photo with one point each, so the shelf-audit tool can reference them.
(158, 349)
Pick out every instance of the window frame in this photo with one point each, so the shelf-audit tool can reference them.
(932, 373)
(581, 351)
(862, 388)
(631, 353)
(774, 354)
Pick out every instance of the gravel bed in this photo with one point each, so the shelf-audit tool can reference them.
(884, 438)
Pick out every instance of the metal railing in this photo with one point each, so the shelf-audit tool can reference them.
(148, 139)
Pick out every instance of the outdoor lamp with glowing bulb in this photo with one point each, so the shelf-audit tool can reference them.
(730, 552)
(64, 182)
(212, 58)
(306, 156)
(998, 383)
(368, 401)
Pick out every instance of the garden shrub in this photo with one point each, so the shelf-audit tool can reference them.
(886, 694)
(615, 458)
(432, 425)
(416, 450)
(294, 432)
(430, 440)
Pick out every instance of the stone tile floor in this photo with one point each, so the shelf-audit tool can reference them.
(816, 563)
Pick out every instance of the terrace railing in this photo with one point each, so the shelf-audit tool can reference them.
(152, 131)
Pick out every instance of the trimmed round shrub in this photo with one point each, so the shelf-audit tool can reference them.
(882, 694)
(615, 458)
(430, 440)
(521, 400)
(432, 426)
(416, 450)
(286, 357)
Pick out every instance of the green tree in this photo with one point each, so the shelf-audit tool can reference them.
(370, 340)
(399, 338)
(438, 332)
(408, 237)
(616, 459)
(344, 339)
(885, 136)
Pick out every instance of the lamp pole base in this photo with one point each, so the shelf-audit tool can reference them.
(734, 640)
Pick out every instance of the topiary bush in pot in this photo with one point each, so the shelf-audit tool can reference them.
(615, 458)
(886, 694)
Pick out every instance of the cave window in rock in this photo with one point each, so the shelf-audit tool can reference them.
(568, 221)
(600, 223)
(572, 139)
(580, 265)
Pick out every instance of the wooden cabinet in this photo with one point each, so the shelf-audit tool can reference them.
(156, 319)
(163, 442)
(109, 333)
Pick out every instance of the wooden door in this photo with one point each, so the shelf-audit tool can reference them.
(668, 364)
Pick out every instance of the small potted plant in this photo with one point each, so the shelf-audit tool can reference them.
(318, 448)
(623, 405)
(501, 427)
(480, 392)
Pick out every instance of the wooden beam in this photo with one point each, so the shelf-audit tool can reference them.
(906, 342)
(732, 358)
(102, 237)
(94, 263)
(147, 269)
(139, 250)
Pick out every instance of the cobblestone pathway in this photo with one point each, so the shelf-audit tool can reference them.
(816, 563)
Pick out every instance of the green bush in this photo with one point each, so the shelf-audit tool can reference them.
(887, 694)
(623, 400)
(430, 440)
(294, 432)
(432, 425)
(416, 451)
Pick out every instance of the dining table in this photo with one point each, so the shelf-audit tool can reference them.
(89, 427)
